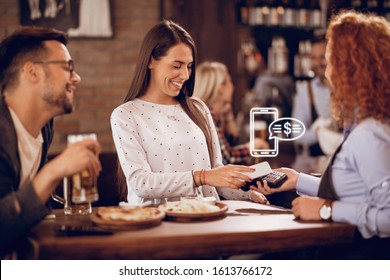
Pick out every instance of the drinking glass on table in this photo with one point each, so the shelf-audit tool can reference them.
(260, 130)
(80, 189)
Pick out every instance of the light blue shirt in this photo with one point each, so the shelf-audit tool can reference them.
(361, 177)
(302, 107)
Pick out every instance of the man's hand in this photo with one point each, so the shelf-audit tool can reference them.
(289, 184)
(307, 208)
(76, 158)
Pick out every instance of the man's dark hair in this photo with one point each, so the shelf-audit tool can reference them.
(26, 42)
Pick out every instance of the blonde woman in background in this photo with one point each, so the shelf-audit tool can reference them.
(214, 86)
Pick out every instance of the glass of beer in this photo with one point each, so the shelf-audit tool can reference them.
(260, 130)
(80, 189)
(71, 208)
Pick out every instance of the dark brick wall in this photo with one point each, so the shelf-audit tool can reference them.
(105, 67)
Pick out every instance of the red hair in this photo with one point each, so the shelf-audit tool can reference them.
(359, 56)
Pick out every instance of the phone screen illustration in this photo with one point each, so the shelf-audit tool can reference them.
(260, 119)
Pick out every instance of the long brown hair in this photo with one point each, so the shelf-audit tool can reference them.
(156, 44)
(359, 56)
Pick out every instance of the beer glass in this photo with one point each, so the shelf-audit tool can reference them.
(80, 189)
(83, 185)
(70, 207)
(260, 130)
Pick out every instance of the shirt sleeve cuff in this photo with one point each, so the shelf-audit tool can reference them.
(345, 212)
(307, 185)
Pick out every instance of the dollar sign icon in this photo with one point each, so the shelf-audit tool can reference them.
(287, 128)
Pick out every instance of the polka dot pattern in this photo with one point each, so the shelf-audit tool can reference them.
(158, 153)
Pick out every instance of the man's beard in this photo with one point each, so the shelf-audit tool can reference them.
(56, 100)
(60, 101)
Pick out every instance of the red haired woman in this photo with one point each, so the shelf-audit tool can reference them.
(355, 188)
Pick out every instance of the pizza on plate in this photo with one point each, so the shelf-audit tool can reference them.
(191, 207)
(121, 214)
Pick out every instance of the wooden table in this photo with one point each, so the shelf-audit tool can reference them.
(247, 228)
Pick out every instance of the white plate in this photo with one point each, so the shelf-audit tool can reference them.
(180, 216)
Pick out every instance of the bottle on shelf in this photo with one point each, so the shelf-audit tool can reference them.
(278, 56)
(244, 14)
(262, 13)
(356, 4)
(324, 6)
(372, 4)
(252, 18)
(276, 12)
(301, 14)
(249, 58)
(264, 9)
(302, 61)
(314, 14)
(289, 13)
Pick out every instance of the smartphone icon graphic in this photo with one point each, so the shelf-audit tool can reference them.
(260, 119)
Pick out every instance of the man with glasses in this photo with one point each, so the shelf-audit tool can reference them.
(37, 83)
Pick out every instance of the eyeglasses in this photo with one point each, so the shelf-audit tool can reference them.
(70, 64)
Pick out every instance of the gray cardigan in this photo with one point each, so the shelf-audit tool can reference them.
(14, 224)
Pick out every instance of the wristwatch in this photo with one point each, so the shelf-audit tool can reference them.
(326, 210)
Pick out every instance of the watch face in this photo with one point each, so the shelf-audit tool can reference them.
(325, 212)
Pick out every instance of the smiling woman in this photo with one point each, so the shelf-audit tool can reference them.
(168, 74)
(166, 141)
